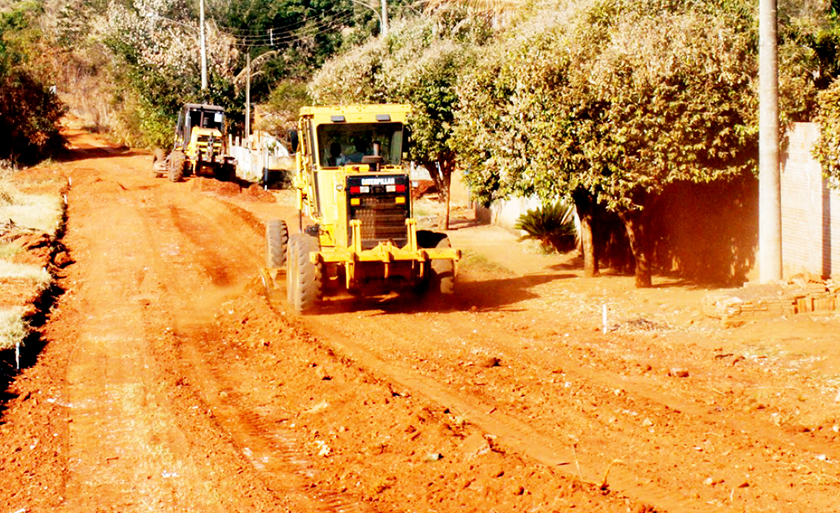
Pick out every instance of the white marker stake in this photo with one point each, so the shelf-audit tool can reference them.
(17, 355)
(604, 315)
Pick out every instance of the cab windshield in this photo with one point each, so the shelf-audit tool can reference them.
(360, 143)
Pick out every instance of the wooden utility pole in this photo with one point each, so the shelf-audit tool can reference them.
(769, 189)
(203, 49)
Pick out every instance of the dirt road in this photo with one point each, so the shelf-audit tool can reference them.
(169, 383)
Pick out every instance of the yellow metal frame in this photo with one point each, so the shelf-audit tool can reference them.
(384, 252)
(195, 144)
(349, 256)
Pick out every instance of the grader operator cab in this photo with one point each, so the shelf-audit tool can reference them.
(199, 146)
(352, 184)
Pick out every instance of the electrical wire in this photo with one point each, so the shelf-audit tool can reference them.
(239, 32)
(271, 38)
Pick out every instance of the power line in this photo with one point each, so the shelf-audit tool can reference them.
(282, 30)
(271, 38)
(239, 32)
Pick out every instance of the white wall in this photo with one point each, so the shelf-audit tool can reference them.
(810, 211)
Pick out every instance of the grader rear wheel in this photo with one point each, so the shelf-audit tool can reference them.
(276, 240)
(177, 161)
(304, 280)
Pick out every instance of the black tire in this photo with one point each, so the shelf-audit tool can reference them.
(177, 161)
(276, 240)
(443, 271)
(157, 155)
(304, 281)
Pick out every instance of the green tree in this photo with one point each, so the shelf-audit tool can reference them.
(29, 111)
(155, 67)
(612, 103)
(416, 64)
(827, 148)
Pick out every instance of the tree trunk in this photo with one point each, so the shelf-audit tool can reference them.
(585, 205)
(637, 235)
(441, 173)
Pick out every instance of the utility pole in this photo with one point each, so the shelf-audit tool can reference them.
(383, 27)
(769, 189)
(204, 49)
(248, 100)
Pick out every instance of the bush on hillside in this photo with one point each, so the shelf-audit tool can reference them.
(29, 119)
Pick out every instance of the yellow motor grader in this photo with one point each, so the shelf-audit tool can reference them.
(353, 185)
(200, 147)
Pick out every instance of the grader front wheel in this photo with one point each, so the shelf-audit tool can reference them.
(158, 157)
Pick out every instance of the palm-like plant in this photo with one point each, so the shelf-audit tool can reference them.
(553, 225)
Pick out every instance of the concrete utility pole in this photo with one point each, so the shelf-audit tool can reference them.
(384, 18)
(769, 190)
(204, 49)
(248, 101)
(382, 14)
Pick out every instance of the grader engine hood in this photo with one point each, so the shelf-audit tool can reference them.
(207, 142)
(382, 204)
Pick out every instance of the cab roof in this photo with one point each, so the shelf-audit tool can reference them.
(357, 113)
(203, 106)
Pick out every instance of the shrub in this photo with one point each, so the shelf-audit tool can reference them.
(12, 327)
(553, 225)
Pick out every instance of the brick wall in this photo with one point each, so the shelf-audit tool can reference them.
(810, 211)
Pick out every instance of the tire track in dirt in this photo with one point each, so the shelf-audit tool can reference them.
(671, 434)
(508, 430)
(273, 452)
(125, 449)
(638, 475)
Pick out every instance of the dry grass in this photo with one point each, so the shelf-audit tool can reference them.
(8, 251)
(37, 212)
(40, 213)
(14, 271)
(12, 327)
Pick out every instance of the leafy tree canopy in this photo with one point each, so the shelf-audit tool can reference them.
(619, 98)
(29, 111)
(417, 63)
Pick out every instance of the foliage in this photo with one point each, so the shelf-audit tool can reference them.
(553, 225)
(827, 148)
(156, 66)
(302, 35)
(29, 111)
(617, 99)
(284, 103)
(809, 38)
(417, 63)
(13, 328)
(618, 109)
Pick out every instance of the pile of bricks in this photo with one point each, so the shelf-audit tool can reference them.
(800, 294)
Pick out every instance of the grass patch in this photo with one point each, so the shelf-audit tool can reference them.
(14, 271)
(472, 260)
(12, 327)
(9, 250)
(38, 212)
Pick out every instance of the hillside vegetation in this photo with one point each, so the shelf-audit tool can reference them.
(29, 110)
(603, 103)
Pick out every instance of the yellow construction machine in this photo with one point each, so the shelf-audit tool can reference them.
(353, 184)
(200, 147)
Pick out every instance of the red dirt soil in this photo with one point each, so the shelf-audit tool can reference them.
(168, 382)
